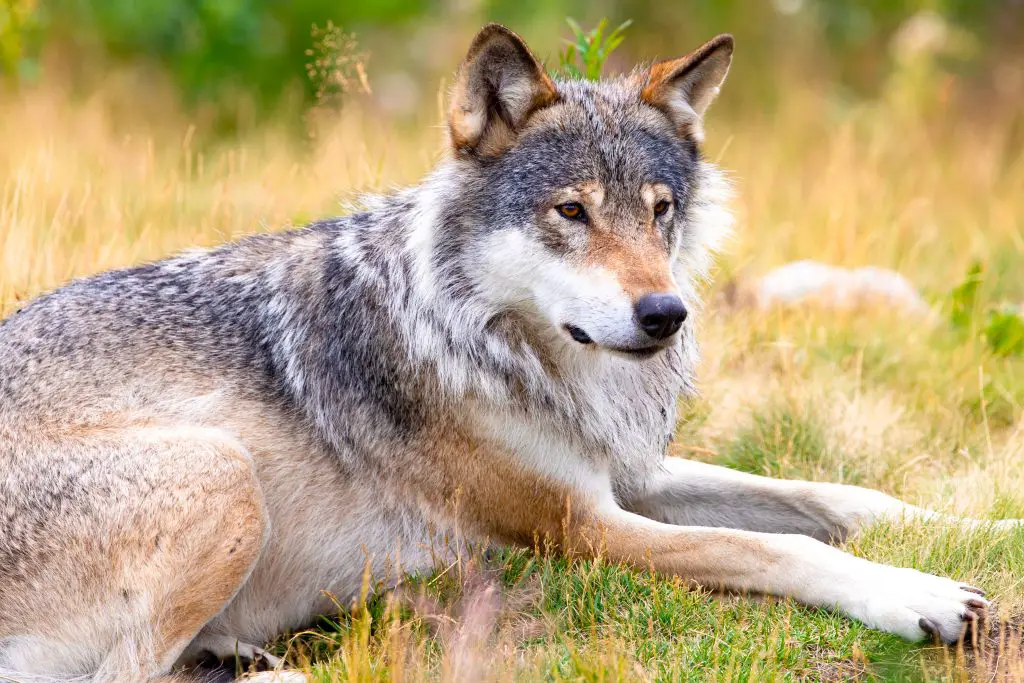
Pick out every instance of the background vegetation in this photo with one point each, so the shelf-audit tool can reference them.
(886, 133)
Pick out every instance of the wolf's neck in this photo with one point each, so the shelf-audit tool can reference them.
(481, 355)
(447, 324)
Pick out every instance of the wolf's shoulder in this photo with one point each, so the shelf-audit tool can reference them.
(210, 303)
(204, 312)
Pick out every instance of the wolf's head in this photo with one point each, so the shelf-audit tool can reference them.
(576, 198)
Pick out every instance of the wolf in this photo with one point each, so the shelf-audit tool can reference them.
(201, 453)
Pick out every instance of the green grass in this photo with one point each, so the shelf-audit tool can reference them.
(586, 620)
(788, 442)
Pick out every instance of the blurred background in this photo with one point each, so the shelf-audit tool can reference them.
(884, 131)
(243, 60)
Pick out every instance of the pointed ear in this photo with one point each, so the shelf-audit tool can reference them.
(499, 85)
(683, 88)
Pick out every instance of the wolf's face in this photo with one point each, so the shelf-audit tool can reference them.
(580, 190)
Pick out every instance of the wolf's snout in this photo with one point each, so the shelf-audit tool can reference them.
(660, 315)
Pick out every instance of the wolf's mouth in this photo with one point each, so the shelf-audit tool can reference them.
(637, 353)
(642, 353)
(578, 335)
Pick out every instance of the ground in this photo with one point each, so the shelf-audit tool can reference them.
(920, 408)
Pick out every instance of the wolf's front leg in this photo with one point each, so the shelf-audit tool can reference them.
(694, 493)
(906, 602)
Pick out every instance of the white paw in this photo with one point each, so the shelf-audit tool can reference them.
(916, 605)
(253, 652)
(276, 677)
(226, 648)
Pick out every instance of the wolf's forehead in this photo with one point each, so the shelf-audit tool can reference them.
(604, 99)
(605, 111)
(603, 132)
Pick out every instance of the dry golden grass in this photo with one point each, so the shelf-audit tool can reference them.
(89, 185)
(865, 396)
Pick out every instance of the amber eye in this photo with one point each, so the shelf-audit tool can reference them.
(661, 208)
(573, 211)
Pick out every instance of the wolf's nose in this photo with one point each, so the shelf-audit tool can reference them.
(660, 315)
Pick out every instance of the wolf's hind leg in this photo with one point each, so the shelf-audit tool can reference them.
(153, 533)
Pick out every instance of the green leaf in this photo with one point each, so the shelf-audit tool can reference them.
(621, 28)
(586, 53)
(611, 44)
(575, 28)
(1004, 330)
(963, 298)
(597, 35)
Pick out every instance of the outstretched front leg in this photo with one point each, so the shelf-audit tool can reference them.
(504, 500)
(906, 602)
(686, 492)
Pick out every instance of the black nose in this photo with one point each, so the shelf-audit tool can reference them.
(660, 315)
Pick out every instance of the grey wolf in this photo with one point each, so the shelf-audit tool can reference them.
(196, 452)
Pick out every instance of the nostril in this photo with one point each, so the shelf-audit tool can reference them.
(660, 315)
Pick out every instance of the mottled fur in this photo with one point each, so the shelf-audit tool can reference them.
(205, 451)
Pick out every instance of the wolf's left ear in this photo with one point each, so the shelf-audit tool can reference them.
(683, 88)
(499, 85)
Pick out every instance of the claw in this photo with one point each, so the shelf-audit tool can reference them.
(928, 627)
(972, 629)
(270, 660)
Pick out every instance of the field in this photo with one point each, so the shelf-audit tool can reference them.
(921, 409)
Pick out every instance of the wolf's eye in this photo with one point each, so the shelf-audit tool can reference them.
(661, 208)
(573, 211)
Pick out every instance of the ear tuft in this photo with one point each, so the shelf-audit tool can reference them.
(684, 88)
(499, 86)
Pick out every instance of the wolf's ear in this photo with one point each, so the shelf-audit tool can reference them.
(683, 88)
(499, 85)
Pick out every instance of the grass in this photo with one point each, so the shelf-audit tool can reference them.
(920, 410)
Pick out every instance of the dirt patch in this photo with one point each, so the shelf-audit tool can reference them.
(998, 655)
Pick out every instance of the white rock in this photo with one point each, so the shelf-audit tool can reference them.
(811, 281)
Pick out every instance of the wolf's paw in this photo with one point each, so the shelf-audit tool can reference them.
(226, 648)
(918, 606)
(252, 653)
(276, 677)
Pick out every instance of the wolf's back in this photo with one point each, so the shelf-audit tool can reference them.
(128, 337)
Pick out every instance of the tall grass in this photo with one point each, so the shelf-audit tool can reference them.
(925, 186)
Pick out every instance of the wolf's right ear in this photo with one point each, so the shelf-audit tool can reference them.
(499, 85)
